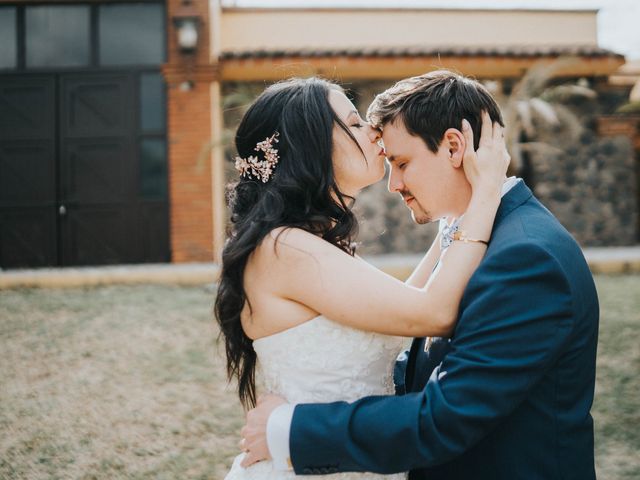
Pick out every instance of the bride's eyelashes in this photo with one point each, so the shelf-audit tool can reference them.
(358, 123)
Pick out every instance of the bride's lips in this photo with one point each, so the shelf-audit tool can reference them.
(381, 153)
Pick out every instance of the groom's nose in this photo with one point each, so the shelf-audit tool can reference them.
(395, 183)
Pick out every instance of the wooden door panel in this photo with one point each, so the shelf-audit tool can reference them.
(28, 237)
(97, 236)
(97, 106)
(27, 107)
(27, 171)
(97, 172)
(98, 169)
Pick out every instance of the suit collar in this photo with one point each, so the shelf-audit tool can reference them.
(515, 197)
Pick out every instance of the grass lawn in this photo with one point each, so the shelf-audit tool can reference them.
(128, 382)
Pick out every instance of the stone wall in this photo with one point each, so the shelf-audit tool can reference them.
(589, 181)
(591, 189)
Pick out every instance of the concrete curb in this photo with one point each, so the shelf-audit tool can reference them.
(605, 260)
(177, 274)
(611, 260)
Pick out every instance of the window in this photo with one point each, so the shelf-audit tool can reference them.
(131, 34)
(152, 102)
(8, 37)
(153, 168)
(57, 36)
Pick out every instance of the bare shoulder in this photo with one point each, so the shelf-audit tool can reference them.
(291, 243)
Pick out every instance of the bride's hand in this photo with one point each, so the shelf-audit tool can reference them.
(485, 168)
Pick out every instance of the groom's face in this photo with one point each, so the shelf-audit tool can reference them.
(432, 185)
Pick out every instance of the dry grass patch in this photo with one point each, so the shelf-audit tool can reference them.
(127, 382)
(115, 382)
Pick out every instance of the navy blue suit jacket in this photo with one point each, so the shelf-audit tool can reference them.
(508, 397)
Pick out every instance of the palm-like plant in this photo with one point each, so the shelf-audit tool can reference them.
(532, 101)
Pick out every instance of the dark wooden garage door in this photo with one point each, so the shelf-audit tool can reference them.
(79, 182)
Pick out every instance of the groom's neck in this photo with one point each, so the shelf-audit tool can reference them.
(465, 198)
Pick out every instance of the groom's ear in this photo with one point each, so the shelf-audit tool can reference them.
(454, 143)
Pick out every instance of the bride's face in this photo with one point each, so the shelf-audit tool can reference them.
(352, 171)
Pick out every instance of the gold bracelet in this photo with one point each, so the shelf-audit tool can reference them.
(461, 235)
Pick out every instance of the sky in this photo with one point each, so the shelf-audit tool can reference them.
(618, 20)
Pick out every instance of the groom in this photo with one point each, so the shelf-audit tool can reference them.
(508, 396)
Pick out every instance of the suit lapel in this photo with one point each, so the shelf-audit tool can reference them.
(417, 346)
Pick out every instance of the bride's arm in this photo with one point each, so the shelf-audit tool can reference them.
(309, 270)
(422, 272)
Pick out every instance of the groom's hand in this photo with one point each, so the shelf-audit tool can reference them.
(254, 433)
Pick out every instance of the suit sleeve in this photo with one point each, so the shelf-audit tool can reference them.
(516, 315)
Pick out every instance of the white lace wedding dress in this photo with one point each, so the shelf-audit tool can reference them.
(321, 361)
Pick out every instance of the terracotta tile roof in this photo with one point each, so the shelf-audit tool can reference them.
(427, 51)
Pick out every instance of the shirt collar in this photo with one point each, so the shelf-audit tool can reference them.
(509, 183)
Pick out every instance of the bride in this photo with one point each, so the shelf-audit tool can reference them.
(300, 313)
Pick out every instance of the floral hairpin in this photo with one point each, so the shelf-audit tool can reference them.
(256, 168)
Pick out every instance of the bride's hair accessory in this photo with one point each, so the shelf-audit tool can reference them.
(252, 166)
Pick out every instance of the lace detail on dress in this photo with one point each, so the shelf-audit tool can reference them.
(321, 361)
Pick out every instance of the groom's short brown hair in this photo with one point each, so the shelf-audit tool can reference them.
(429, 104)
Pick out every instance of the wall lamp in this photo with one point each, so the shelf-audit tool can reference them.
(187, 23)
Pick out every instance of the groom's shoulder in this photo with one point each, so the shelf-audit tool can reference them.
(533, 224)
(531, 230)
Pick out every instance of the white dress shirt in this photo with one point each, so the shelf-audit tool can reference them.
(279, 422)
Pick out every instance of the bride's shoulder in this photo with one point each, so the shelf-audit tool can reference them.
(295, 248)
(289, 241)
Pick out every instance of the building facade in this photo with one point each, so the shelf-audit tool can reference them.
(112, 133)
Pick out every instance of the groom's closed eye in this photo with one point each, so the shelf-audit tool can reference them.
(395, 160)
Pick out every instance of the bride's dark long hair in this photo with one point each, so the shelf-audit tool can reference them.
(301, 193)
